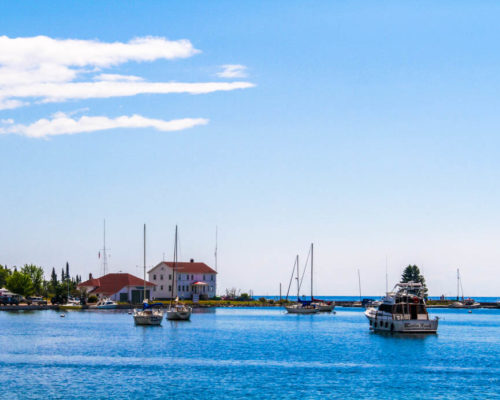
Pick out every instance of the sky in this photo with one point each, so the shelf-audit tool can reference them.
(367, 128)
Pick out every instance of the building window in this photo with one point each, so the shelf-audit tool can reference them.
(179, 288)
(154, 277)
(169, 277)
(161, 287)
(211, 277)
(169, 288)
(203, 277)
(161, 277)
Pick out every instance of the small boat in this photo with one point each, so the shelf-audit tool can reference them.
(148, 315)
(106, 304)
(403, 310)
(177, 312)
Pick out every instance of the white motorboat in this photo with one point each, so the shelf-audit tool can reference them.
(106, 304)
(148, 315)
(403, 310)
(176, 311)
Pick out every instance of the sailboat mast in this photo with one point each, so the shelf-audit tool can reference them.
(298, 284)
(175, 265)
(458, 284)
(144, 288)
(359, 283)
(312, 264)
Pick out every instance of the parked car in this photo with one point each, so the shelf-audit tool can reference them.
(36, 301)
(12, 300)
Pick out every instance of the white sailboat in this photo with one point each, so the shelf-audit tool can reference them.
(176, 311)
(149, 314)
(465, 303)
(300, 307)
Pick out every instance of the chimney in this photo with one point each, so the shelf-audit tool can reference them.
(192, 260)
(90, 276)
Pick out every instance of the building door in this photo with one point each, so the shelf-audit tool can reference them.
(137, 296)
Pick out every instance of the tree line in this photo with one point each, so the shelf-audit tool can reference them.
(29, 280)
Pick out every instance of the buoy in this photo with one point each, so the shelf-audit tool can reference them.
(130, 312)
(62, 315)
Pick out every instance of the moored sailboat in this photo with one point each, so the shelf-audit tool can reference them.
(176, 311)
(150, 314)
(302, 306)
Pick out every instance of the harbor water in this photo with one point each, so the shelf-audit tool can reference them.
(256, 353)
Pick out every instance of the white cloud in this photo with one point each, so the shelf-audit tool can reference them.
(62, 124)
(232, 71)
(117, 77)
(56, 92)
(51, 70)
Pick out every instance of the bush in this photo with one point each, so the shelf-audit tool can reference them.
(262, 299)
(92, 299)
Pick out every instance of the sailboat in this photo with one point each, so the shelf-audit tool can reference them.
(321, 305)
(465, 303)
(150, 314)
(176, 311)
(301, 307)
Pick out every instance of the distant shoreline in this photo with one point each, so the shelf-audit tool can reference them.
(440, 304)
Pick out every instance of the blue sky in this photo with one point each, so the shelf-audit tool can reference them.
(368, 128)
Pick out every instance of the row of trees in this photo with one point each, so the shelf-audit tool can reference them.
(29, 281)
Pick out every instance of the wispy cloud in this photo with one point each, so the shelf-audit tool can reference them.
(63, 124)
(54, 70)
(232, 71)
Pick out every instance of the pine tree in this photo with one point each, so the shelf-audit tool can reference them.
(63, 277)
(53, 277)
(67, 270)
(412, 274)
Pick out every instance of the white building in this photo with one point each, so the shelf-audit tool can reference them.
(193, 280)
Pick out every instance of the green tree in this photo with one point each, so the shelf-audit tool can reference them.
(53, 281)
(36, 275)
(4, 274)
(412, 274)
(20, 283)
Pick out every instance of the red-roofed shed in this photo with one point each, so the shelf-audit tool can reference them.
(118, 287)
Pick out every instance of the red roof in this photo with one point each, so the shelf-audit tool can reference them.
(188, 267)
(112, 283)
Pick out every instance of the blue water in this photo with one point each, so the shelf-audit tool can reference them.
(257, 353)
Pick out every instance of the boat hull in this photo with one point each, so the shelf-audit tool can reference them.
(386, 324)
(178, 315)
(301, 310)
(325, 307)
(154, 319)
